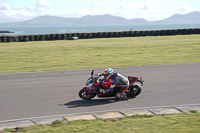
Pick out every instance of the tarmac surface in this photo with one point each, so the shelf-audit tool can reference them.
(35, 94)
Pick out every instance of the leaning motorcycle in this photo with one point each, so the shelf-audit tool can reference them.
(95, 83)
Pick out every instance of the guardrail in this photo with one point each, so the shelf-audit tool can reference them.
(89, 35)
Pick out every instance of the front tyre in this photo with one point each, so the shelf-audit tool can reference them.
(85, 96)
(135, 90)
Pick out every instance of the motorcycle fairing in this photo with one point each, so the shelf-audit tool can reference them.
(132, 79)
(85, 88)
(105, 84)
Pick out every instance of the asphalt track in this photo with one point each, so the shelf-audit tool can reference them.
(35, 94)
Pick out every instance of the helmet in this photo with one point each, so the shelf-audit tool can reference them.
(108, 72)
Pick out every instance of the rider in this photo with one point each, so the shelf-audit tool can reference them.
(116, 80)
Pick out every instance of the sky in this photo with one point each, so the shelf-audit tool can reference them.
(151, 10)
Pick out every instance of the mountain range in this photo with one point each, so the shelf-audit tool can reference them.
(190, 18)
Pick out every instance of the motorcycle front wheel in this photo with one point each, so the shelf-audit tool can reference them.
(84, 95)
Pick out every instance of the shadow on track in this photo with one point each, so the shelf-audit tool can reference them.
(93, 102)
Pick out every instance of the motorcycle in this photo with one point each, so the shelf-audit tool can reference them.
(95, 83)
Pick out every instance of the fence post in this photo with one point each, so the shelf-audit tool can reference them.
(5, 39)
(31, 38)
(9, 38)
(16, 38)
(191, 31)
(47, 37)
(93, 35)
(104, 34)
(125, 33)
(26, 38)
(85, 36)
(197, 30)
(98, 34)
(63, 37)
(185, 32)
(131, 33)
(81, 35)
(52, 37)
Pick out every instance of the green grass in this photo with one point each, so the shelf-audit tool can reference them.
(98, 53)
(175, 123)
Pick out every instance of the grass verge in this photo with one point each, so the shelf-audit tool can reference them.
(98, 53)
(188, 122)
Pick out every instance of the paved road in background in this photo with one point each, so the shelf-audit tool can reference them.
(24, 95)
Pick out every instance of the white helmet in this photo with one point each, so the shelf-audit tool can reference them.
(108, 72)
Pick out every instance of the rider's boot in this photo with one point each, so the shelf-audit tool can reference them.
(121, 94)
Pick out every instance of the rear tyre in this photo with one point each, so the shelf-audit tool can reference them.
(135, 90)
(84, 95)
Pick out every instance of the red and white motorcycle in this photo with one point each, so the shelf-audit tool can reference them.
(95, 83)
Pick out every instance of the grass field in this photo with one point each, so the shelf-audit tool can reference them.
(98, 53)
(102, 53)
(175, 123)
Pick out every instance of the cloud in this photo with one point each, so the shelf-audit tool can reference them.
(146, 11)
(145, 7)
(96, 4)
(14, 15)
(44, 3)
(186, 8)
(8, 14)
(88, 9)
(123, 9)
(41, 5)
(5, 7)
(74, 13)
(30, 7)
(124, 6)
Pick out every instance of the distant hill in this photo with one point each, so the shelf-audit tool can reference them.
(108, 20)
(190, 18)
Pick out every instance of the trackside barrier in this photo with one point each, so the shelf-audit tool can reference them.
(89, 35)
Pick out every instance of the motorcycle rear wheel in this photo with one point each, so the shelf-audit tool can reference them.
(135, 90)
(85, 96)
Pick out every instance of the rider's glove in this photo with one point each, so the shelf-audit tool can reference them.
(98, 74)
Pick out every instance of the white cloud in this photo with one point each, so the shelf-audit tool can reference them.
(149, 6)
(8, 14)
(30, 7)
(96, 4)
(145, 7)
(13, 15)
(186, 8)
(124, 6)
(98, 12)
(75, 13)
(86, 5)
(43, 4)
(146, 10)
(5, 7)
(16, 13)
(88, 9)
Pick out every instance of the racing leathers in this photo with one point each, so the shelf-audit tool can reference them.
(117, 80)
